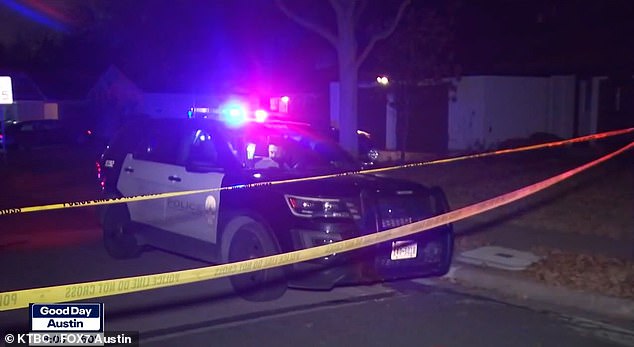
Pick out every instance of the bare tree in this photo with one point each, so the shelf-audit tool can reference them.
(350, 57)
(420, 52)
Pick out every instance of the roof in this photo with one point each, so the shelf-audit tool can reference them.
(24, 88)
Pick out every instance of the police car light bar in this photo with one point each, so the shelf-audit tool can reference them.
(233, 115)
(261, 116)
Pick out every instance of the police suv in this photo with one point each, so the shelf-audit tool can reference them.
(169, 155)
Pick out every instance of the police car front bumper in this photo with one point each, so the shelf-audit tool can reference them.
(434, 250)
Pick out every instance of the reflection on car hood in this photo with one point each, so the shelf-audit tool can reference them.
(344, 185)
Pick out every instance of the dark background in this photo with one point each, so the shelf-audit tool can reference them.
(197, 45)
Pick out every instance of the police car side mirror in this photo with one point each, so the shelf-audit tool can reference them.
(202, 167)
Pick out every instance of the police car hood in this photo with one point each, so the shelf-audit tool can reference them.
(339, 186)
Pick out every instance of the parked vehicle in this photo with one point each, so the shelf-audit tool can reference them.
(26, 135)
(166, 155)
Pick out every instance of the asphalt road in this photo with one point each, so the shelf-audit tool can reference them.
(419, 317)
(208, 313)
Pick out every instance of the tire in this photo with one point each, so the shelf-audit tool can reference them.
(119, 242)
(249, 241)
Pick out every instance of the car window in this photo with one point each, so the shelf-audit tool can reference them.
(27, 127)
(300, 149)
(203, 149)
(126, 140)
(164, 144)
(49, 125)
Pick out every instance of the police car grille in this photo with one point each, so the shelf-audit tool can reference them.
(401, 210)
(389, 223)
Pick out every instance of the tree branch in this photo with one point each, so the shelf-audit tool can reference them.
(337, 7)
(361, 5)
(383, 34)
(321, 31)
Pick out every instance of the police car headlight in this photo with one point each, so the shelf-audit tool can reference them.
(302, 206)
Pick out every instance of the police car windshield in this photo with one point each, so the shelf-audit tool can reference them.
(287, 147)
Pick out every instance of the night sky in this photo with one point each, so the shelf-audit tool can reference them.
(202, 45)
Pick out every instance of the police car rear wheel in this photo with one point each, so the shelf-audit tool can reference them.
(252, 241)
(117, 239)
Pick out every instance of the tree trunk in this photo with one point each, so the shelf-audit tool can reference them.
(348, 80)
(347, 13)
(405, 117)
(348, 110)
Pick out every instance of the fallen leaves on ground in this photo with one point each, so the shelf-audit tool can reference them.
(471, 242)
(592, 273)
(596, 202)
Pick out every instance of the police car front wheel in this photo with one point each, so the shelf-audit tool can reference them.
(250, 241)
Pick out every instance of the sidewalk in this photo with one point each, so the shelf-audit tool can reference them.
(583, 272)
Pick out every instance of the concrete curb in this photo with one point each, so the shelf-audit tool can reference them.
(508, 283)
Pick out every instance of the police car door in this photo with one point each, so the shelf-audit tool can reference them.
(152, 168)
(196, 215)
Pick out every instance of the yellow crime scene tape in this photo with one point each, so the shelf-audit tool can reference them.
(119, 200)
(81, 291)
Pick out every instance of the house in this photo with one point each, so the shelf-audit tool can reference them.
(483, 111)
(488, 110)
(115, 98)
(29, 101)
(425, 129)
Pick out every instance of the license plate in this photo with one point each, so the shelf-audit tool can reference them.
(404, 250)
